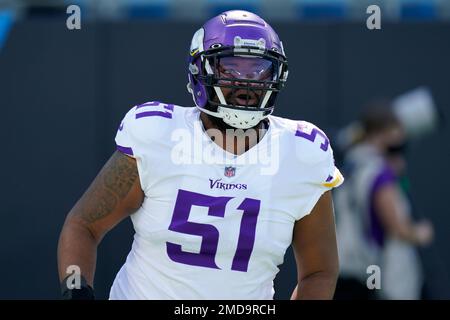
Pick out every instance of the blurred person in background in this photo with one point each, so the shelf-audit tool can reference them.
(374, 223)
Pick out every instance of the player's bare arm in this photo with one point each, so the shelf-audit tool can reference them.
(315, 250)
(396, 221)
(113, 195)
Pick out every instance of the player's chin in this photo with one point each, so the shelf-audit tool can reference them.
(223, 126)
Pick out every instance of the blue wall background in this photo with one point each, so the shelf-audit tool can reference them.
(63, 94)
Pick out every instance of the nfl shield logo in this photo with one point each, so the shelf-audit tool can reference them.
(230, 171)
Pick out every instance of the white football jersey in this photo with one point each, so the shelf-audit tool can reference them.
(214, 225)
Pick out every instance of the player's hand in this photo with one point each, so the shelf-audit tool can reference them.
(424, 232)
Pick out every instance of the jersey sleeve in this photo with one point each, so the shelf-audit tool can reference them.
(140, 135)
(125, 141)
(316, 155)
(129, 142)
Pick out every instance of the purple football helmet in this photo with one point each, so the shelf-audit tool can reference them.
(237, 66)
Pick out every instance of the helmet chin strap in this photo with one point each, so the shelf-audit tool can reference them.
(211, 113)
(239, 119)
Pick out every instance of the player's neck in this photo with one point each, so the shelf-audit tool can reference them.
(235, 141)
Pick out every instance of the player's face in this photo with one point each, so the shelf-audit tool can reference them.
(245, 68)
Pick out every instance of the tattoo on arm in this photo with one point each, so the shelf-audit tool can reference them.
(112, 184)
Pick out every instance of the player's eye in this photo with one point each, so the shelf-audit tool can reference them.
(230, 71)
(225, 71)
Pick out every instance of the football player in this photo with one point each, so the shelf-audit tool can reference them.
(213, 224)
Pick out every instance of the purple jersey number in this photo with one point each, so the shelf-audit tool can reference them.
(246, 240)
(312, 136)
(153, 113)
(209, 233)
